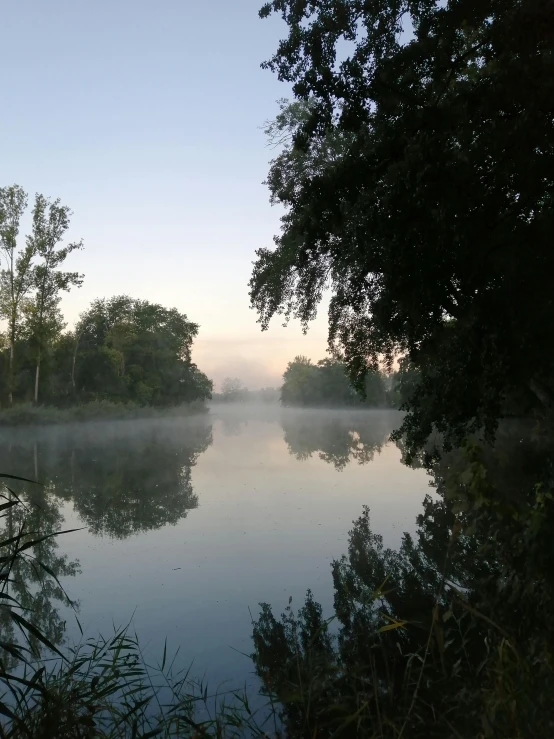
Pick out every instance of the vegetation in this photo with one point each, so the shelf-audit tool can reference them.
(122, 350)
(234, 390)
(416, 174)
(336, 439)
(103, 688)
(29, 291)
(326, 384)
(415, 171)
(451, 636)
(129, 350)
(28, 414)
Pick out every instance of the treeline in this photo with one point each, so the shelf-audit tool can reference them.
(121, 350)
(234, 390)
(326, 383)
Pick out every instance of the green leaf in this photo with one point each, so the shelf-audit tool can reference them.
(25, 625)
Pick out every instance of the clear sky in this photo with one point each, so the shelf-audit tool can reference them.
(144, 117)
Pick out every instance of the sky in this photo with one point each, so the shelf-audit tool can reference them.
(145, 118)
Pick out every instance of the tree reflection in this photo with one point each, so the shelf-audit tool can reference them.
(337, 438)
(121, 478)
(452, 630)
(35, 577)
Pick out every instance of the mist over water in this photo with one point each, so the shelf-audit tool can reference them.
(189, 523)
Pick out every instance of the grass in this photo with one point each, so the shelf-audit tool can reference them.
(27, 414)
(452, 670)
(103, 688)
(106, 689)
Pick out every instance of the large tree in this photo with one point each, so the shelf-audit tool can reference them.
(50, 223)
(418, 177)
(29, 291)
(16, 276)
(134, 350)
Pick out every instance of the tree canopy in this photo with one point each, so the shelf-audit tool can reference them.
(326, 384)
(417, 174)
(133, 350)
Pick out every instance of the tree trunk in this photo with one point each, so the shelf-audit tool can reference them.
(37, 375)
(73, 362)
(10, 371)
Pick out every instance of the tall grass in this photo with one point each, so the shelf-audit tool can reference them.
(102, 688)
(418, 653)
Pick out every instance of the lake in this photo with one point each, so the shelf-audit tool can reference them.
(188, 524)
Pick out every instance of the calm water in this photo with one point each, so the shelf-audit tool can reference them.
(190, 523)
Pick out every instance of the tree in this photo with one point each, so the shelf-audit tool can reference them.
(326, 384)
(16, 279)
(417, 177)
(233, 390)
(298, 382)
(50, 222)
(132, 350)
(453, 629)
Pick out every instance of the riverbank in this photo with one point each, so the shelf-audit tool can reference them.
(27, 414)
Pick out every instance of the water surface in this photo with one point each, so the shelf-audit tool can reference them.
(189, 523)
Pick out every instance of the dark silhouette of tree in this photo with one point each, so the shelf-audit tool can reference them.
(417, 176)
(452, 630)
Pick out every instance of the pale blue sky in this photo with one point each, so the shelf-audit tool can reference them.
(144, 118)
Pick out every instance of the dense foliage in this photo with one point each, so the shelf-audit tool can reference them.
(122, 349)
(451, 635)
(417, 176)
(133, 350)
(326, 384)
(30, 279)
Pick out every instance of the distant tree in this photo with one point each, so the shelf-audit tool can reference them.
(417, 176)
(233, 390)
(326, 384)
(299, 381)
(269, 395)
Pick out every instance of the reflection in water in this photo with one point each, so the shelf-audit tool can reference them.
(122, 478)
(338, 438)
(454, 629)
(128, 478)
(34, 579)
